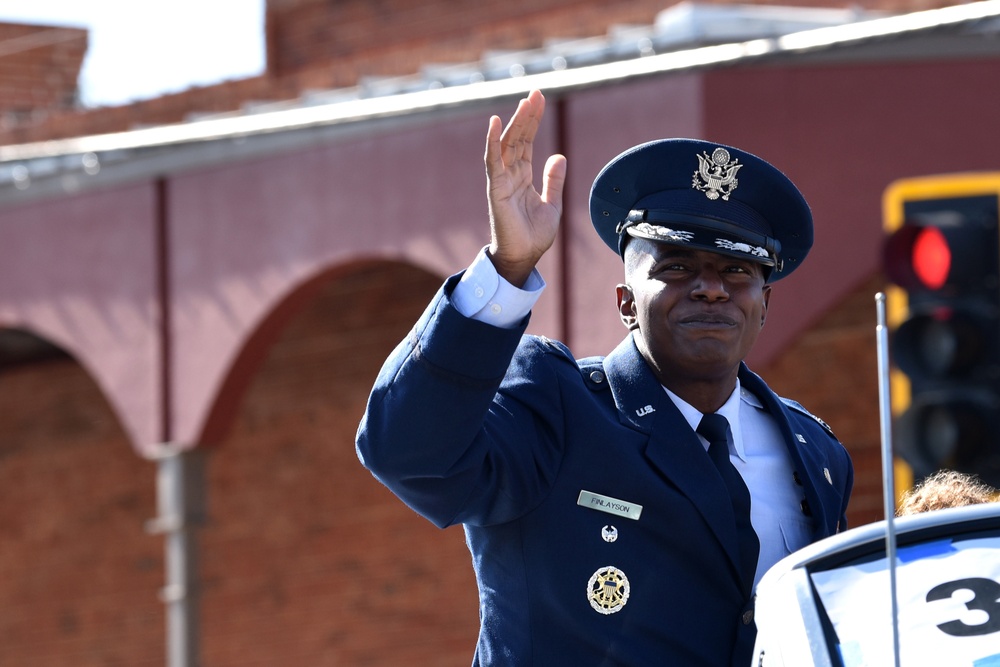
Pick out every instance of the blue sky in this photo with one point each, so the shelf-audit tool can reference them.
(146, 48)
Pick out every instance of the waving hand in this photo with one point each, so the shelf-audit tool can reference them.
(523, 223)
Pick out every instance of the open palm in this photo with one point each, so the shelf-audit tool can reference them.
(523, 223)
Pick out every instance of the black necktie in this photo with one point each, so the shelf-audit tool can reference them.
(715, 429)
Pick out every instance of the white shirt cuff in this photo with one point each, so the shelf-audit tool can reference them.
(484, 295)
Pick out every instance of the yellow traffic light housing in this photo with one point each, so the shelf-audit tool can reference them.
(942, 253)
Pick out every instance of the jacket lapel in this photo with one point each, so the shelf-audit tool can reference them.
(673, 449)
(821, 502)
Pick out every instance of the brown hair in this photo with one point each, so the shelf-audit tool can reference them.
(945, 488)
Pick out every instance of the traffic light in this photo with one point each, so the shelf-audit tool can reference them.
(942, 253)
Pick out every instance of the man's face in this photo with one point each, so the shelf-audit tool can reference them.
(697, 313)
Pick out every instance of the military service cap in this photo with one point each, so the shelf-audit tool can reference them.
(706, 196)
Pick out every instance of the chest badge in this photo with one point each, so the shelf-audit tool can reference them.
(608, 590)
(609, 533)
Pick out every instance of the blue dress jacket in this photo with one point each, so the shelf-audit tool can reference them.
(511, 436)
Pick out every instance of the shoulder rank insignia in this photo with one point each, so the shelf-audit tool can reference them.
(716, 174)
(795, 405)
(608, 590)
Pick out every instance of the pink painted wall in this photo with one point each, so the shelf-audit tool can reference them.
(79, 272)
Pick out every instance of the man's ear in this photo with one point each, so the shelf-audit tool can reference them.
(767, 298)
(626, 306)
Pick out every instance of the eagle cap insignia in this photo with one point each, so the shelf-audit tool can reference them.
(716, 174)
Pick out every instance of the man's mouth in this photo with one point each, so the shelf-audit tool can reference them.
(709, 321)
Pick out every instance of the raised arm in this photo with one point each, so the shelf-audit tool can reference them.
(523, 223)
(424, 432)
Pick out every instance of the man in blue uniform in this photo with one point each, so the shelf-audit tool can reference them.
(619, 510)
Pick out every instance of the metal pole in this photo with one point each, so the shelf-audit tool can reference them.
(180, 504)
(888, 485)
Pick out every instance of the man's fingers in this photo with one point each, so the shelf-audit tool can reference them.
(536, 107)
(511, 146)
(517, 138)
(493, 151)
(553, 180)
(510, 140)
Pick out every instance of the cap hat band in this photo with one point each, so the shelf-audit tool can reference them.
(700, 232)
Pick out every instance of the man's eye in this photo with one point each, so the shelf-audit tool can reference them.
(668, 267)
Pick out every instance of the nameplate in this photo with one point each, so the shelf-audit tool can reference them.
(596, 501)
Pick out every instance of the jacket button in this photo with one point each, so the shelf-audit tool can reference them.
(597, 377)
(748, 617)
(805, 508)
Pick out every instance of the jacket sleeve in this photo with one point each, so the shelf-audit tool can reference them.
(442, 434)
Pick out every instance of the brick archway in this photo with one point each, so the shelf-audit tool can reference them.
(343, 573)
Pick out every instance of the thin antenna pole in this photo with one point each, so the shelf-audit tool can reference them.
(888, 486)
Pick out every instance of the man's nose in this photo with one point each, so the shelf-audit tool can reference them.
(710, 285)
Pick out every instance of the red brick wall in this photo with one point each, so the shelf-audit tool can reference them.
(373, 37)
(79, 577)
(39, 67)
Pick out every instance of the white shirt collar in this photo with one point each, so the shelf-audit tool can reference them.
(730, 410)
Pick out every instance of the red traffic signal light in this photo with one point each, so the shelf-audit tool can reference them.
(931, 257)
(917, 256)
(944, 249)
